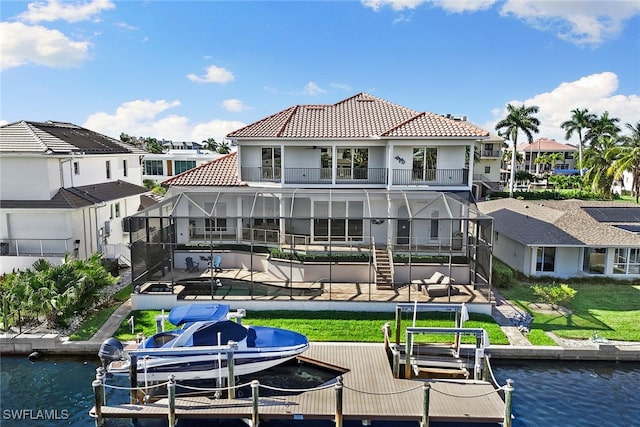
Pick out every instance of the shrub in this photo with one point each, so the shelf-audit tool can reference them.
(502, 274)
(554, 294)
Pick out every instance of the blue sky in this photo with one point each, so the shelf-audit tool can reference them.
(189, 70)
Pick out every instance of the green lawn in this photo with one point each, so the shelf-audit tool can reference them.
(345, 326)
(612, 310)
(92, 323)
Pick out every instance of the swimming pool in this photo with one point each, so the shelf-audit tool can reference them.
(239, 288)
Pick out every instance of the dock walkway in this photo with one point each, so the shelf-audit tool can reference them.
(370, 393)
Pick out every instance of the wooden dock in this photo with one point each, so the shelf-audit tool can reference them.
(369, 393)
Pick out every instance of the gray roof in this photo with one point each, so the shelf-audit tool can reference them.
(78, 197)
(562, 222)
(55, 138)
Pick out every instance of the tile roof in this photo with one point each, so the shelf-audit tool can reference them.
(559, 222)
(545, 144)
(221, 172)
(360, 116)
(58, 138)
(77, 197)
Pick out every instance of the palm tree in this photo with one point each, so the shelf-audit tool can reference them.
(518, 119)
(598, 164)
(223, 148)
(581, 119)
(626, 157)
(210, 144)
(603, 126)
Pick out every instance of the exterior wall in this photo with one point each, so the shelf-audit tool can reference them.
(512, 253)
(93, 169)
(28, 178)
(171, 157)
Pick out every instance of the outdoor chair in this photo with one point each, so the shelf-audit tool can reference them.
(217, 264)
(436, 278)
(191, 266)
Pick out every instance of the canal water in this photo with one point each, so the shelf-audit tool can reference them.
(54, 392)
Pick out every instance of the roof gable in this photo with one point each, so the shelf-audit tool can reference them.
(360, 116)
(58, 138)
(221, 172)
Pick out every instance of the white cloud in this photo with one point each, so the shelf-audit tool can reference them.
(580, 22)
(312, 89)
(22, 44)
(125, 26)
(395, 4)
(234, 105)
(54, 10)
(213, 74)
(342, 86)
(595, 92)
(145, 118)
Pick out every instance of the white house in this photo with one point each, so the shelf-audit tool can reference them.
(159, 167)
(487, 176)
(64, 190)
(567, 238)
(361, 176)
(545, 147)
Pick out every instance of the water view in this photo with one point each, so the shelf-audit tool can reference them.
(55, 392)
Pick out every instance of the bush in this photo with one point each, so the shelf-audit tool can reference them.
(502, 274)
(554, 294)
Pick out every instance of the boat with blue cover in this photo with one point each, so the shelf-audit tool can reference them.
(201, 347)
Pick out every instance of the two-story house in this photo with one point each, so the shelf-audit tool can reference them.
(64, 189)
(546, 155)
(361, 176)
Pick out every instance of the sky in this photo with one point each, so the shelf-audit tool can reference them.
(192, 70)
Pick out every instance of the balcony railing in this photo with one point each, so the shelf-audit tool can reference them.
(36, 247)
(431, 177)
(490, 153)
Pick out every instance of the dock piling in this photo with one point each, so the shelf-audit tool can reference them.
(231, 379)
(508, 391)
(407, 355)
(426, 388)
(171, 395)
(339, 390)
(98, 399)
(255, 416)
(133, 375)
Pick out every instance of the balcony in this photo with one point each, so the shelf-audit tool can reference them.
(36, 247)
(430, 177)
(494, 154)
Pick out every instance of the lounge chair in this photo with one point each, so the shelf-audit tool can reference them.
(436, 278)
(217, 264)
(191, 266)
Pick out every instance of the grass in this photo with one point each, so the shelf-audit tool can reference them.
(92, 323)
(612, 310)
(323, 326)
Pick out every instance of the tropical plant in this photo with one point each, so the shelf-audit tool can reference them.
(580, 120)
(223, 148)
(518, 119)
(153, 146)
(554, 294)
(626, 158)
(603, 126)
(598, 164)
(210, 144)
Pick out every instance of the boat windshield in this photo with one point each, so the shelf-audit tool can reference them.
(208, 335)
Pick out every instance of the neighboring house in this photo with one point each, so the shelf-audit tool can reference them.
(64, 190)
(547, 147)
(361, 176)
(487, 176)
(158, 167)
(566, 238)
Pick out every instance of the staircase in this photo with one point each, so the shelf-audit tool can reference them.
(383, 268)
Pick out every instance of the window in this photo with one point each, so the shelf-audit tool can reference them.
(626, 261)
(435, 224)
(271, 162)
(117, 209)
(487, 169)
(124, 167)
(326, 162)
(424, 163)
(346, 223)
(593, 260)
(183, 165)
(353, 163)
(545, 259)
(108, 168)
(76, 168)
(153, 167)
(218, 220)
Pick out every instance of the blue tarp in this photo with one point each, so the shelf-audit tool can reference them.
(198, 312)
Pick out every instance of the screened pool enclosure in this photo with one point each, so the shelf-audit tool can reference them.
(305, 236)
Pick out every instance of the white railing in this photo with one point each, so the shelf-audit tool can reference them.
(36, 247)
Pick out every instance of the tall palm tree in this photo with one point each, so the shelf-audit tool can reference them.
(598, 164)
(603, 126)
(581, 119)
(210, 144)
(626, 157)
(519, 119)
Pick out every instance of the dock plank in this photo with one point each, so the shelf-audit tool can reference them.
(370, 392)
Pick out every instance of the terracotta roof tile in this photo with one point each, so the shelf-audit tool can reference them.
(221, 172)
(360, 116)
(546, 144)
